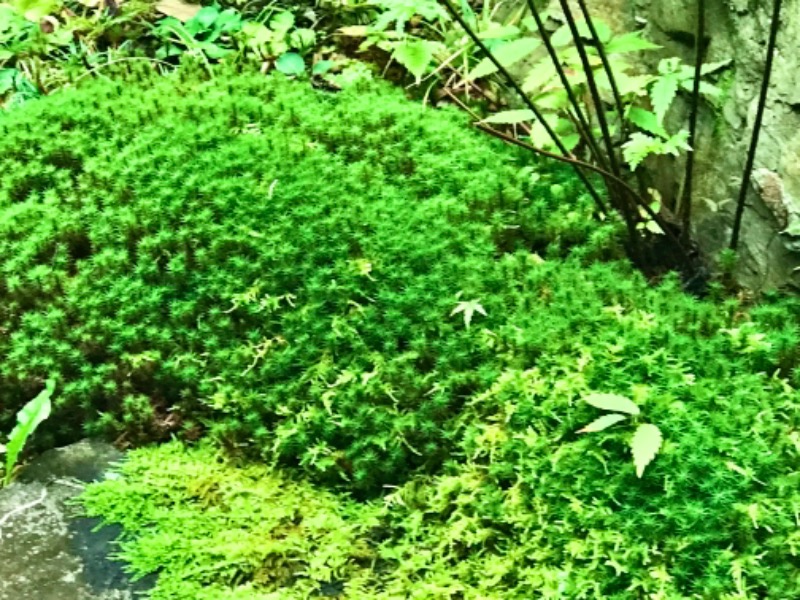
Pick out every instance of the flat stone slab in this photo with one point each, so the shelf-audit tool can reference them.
(48, 552)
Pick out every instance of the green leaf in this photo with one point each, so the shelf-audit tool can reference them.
(629, 42)
(414, 55)
(663, 93)
(677, 143)
(302, 39)
(28, 419)
(496, 31)
(205, 17)
(282, 23)
(290, 63)
(638, 147)
(321, 67)
(612, 402)
(563, 35)
(509, 117)
(647, 120)
(506, 54)
(602, 423)
(645, 445)
(539, 76)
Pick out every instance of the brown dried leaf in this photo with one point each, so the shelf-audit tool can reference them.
(183, 11)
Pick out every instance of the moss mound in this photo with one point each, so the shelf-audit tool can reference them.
(245, 255)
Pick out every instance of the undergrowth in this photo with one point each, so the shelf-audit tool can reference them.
(271, 263)
(365, 291)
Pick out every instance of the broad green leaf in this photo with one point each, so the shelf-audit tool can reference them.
(629, 42)
(282, 22)
(213, 50)
(604, 33)
(506, 54)
(645, 119)
(205, 17)
(414, 55)
(28, 419)
(509, 117)
(303, 38)
(645, 445)
(706, 89)
(290, 63)
(35, 10)
(603, 422)
(612, 402)
(570, 141)
(495, 31)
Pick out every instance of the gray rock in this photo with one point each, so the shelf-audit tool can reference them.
(49, 552)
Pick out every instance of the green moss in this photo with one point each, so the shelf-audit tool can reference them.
(214, 531)
(268, 262)
(283, 269)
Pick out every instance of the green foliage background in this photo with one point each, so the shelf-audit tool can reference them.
(279, 267)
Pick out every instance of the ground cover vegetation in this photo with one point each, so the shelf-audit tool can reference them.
(420, 364)
(366, 294)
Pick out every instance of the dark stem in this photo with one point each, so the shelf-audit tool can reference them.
(658, 219)
(762, 103)
(606, 64)
(525, 99)
(586, 129)
(686, 200)
(590, 80)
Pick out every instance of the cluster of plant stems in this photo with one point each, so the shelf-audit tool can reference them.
(602, 157)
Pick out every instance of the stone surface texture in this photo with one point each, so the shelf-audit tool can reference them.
(48, 552)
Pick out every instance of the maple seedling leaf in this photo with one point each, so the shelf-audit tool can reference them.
(468, 308)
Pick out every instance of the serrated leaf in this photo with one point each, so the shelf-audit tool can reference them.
(602, 423)
(509, 117)
(647, 120)
(629, 42)
(539, 76)
(612, 402)
(645, 445)
(414, 55)
(506, 54)
(676, 143)
(638, 147)
(663, 93)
